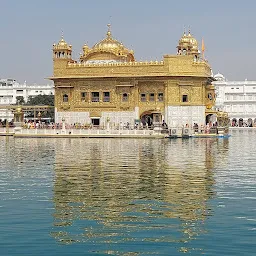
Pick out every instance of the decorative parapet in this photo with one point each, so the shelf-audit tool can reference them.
(131, 63)
(56, 47)
(171, 66)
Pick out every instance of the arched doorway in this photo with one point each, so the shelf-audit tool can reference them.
(147, 120)
(151, 119)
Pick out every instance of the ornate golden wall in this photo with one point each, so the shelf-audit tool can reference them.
(175, 76)
(172, 89)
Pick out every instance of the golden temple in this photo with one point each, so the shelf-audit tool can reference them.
(107, 84)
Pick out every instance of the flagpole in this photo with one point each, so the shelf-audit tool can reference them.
(203, 49)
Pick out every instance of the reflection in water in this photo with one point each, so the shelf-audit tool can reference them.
(118, 193)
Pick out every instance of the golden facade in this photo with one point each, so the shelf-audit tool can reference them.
(108, 84)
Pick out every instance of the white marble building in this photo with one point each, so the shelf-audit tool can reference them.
(238, 99)
(10, 89)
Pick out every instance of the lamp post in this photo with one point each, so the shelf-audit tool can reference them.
(63, 125)
(108, 119)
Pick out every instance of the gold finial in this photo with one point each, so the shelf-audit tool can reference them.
(109, 30)
(184, 31)
(62, 34)
(189, 31)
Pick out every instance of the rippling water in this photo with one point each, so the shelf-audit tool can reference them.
(128, 196)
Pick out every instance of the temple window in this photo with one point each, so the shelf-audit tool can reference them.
(65, 98)
(184, 98)
(83, 96)
(143, 97)
(151, 97)
(209, 96)
(106, 96)
(160, 96)
(125, 97)
(95, 96)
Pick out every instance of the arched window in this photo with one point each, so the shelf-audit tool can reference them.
(65, 98)
(125, 97)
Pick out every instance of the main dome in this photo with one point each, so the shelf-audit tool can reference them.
(107, 50)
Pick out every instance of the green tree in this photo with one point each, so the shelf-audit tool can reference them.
(42, 100)
(20, 100)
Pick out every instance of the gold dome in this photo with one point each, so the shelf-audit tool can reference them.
(184, 39)
(192, 41)
(189, 43)
(85, 47)
(62, 44)
(108, 43)
(107, 49)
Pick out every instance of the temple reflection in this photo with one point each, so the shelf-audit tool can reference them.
(113, 190)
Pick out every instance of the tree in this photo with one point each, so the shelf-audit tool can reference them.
(42, 100)
(20, 100)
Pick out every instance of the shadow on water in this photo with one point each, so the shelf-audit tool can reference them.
(134, 197)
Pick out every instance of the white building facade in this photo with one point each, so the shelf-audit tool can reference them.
(10, 89)
(238, 99)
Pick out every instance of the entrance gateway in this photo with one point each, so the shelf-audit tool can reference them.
(151, 118)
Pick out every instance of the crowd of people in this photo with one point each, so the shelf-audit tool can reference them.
(30, 124)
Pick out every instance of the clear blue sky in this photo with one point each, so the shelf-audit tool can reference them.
(28, 28)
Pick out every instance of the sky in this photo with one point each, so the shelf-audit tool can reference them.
(28, 29)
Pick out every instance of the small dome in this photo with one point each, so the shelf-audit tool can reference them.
(62, 45)
(192, 41)
(219, 77)
(85, 46)
(189, 43)
(184, 39)
(62, 42)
